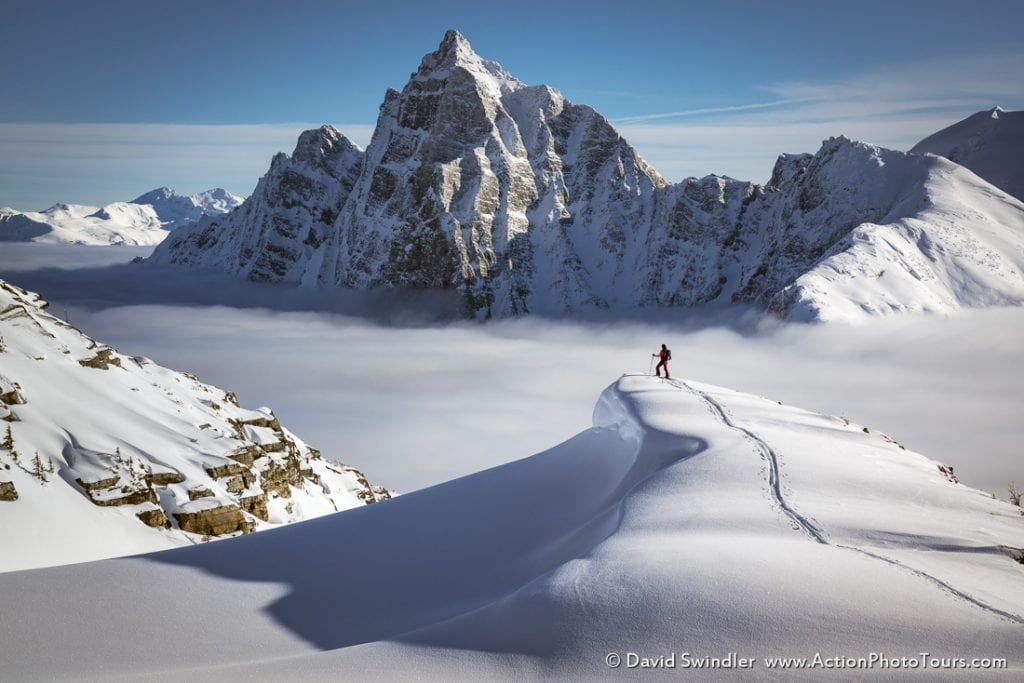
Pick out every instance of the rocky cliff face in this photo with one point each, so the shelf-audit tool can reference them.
(523, 202)
(472, 181)
(106, 454)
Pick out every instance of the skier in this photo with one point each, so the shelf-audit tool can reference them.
(665, 355)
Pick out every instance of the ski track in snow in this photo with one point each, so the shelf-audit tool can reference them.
(770, 456)
(809, 527)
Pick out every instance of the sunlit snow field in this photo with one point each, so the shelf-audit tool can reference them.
(414, 402)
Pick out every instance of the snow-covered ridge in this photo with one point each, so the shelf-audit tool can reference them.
(688, 513)
(524, 202)
(108, 454)
(990, 143)
(143, 221)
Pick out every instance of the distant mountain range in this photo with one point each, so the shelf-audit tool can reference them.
(142, 221)
(519, 201)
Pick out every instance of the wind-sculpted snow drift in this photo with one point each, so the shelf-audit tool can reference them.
(521, 201)
(690, 518)
(103, 454)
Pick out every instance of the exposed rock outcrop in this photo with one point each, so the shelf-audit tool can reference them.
(103, 359)
(7, 491)
(154, 517)
(218, 521)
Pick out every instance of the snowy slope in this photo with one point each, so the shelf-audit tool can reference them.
(990, 143)
(117, 223)
(523, 202)
(859, 231)
(142, 221)
(103, 454)
(691, 519)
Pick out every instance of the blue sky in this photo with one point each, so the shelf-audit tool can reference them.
(105, 100)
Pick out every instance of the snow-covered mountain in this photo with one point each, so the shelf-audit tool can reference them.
(522, 201)
(107, 454)
(690, 519)
(990, 143)
(858, 231)
(176, 210)
(142, 221)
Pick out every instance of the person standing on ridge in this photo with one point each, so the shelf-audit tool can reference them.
(665, 355)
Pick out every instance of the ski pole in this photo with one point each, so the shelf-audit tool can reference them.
(651, 370)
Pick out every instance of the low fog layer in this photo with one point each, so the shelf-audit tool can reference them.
(415, 405)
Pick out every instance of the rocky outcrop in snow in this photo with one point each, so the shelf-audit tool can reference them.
(523, 202)
(110, 454)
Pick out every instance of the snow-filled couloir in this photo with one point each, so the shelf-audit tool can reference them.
(690, 518)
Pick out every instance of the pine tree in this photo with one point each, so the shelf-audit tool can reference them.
(8, 444)
(3, 345)
(50, 468)
(37, 468)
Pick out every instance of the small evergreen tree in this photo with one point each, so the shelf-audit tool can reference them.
(1015, 495)
(3, 345)
(38, 469)
(8, 444)
(50, 467)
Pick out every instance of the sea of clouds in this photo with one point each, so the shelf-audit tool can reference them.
(414, 398)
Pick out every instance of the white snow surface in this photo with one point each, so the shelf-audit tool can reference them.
(134, 428)
(142, 221)
(690, 518)
(990, 143)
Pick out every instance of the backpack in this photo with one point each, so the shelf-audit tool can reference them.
(668, 354)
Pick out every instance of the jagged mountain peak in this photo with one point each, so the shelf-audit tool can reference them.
(160, 193)
(322, 144)
(455, 52)
(454, 49)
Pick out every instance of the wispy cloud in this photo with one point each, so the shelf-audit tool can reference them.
(712, 110)
(96, 163)
(894, 106)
